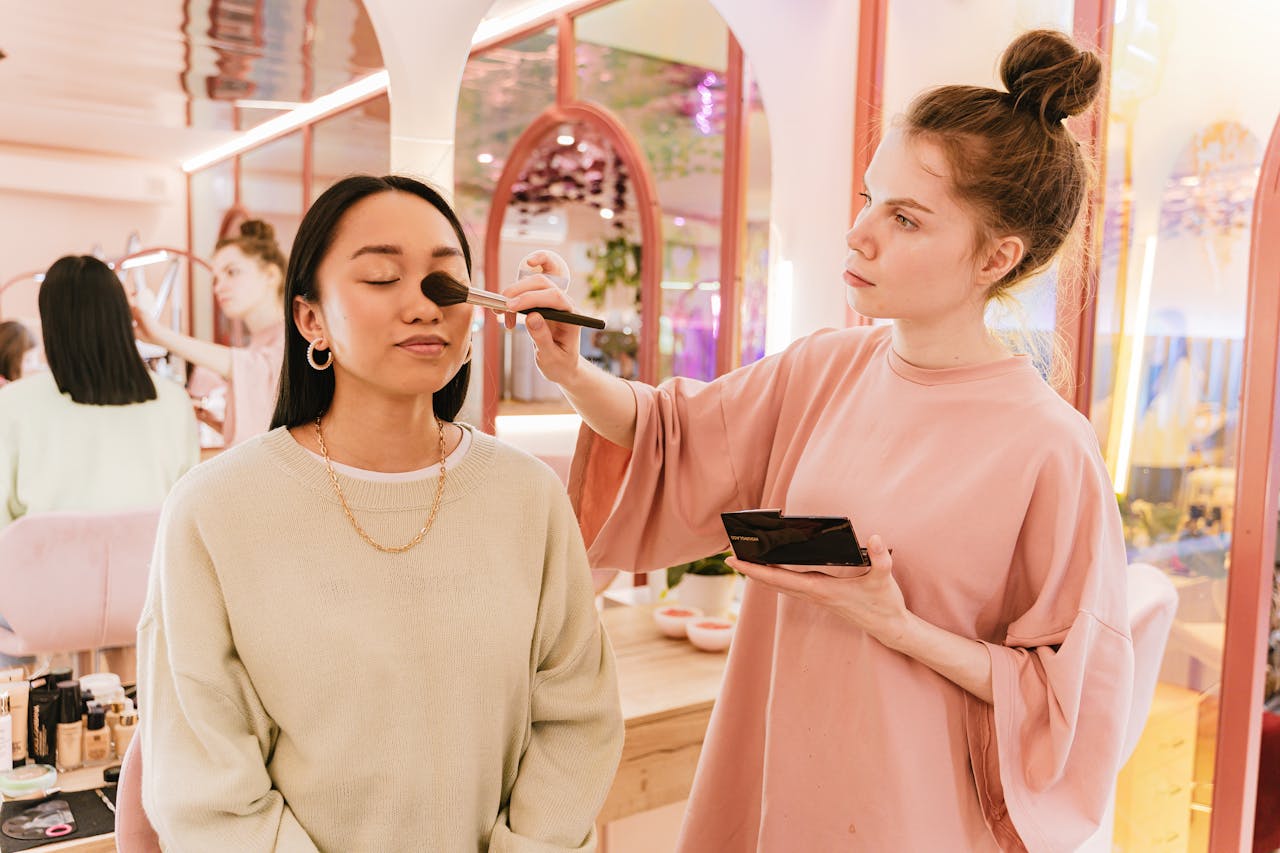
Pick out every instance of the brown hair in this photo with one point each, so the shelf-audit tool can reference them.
(1012, 159)
(257, 240)
(15, 340)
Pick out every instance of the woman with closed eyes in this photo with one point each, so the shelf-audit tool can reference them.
(373, 627)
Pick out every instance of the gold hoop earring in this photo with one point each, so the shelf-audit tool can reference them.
(311, 356)
(470, 347)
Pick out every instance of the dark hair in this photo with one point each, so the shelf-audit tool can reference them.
(1012, 159)
(15, 340)
(305, 393)
(257, 240)
(88, 335)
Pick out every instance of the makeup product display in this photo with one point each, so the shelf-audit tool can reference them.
(125, 730)
(97, 737)
(70, 727)
(6, 734)
(18, 690)
(27, 780)
(826, 543)
(42, 725)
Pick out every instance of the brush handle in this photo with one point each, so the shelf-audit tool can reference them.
(572, 319)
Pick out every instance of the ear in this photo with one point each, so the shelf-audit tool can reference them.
(1002, 255)
(309, 319)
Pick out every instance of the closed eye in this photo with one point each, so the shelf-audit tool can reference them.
(386, 281)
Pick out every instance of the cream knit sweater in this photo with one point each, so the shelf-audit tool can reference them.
(301, 691)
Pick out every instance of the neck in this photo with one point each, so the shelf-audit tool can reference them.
(263, 316)
(378, 433)
(955, 341)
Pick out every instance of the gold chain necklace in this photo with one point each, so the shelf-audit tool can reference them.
(435, 507)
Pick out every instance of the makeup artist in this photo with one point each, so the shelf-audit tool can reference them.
(971, 691)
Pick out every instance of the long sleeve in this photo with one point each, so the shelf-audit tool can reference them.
(700, 449)
(206, 738)
(575, 734)
(251, 391)
(1046, 753)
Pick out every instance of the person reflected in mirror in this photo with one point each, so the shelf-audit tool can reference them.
(16, 346)
(97, 431)
(248, 282)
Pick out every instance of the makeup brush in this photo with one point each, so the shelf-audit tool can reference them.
(445, 290)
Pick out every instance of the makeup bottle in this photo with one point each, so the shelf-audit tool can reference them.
(42, 724)
(70, 726)
(6, 734)
(113, 719)
(124, 731)
(17, 688)
(97, 737)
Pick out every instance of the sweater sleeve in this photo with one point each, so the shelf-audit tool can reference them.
(1046, 753)
(700, 449)
(206, 737)
(575, 735)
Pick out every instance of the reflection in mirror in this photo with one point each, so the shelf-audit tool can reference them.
(574, 195)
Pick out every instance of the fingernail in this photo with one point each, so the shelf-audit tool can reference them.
(534, 321)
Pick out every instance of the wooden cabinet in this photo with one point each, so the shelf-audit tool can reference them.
(1153, 793)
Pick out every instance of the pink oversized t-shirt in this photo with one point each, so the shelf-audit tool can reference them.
(992, 494)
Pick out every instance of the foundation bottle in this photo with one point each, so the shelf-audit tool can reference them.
(70, 728)
(6, 734)
(97, 737)
(113, 719)
(124, 731)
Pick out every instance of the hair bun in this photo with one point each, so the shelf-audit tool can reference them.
(257, 229)
(1048, 75)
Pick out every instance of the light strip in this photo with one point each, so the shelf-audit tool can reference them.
(332, 102)
(143, 260)
(1133, 381)
(777, 326)
(250, 104)
(366, 87)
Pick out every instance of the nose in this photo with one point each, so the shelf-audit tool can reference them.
(859, 237)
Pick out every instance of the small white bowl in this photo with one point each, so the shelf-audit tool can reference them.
(672, 618)
(710, 634)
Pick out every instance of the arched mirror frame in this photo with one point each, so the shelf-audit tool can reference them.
(650, 220)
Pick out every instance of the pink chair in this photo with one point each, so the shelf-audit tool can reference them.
(134, 833)
(72, 581)
(1152, 603)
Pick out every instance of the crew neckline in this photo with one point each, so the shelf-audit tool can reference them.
(360, 493)
(953, 375)
(452, 461)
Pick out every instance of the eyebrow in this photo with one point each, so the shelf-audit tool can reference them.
(907, 202)
(386, 249)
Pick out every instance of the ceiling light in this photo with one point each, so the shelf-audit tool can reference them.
(143, 260)
(366, 87)
(485, 158)
(606, 213)
(250, 104)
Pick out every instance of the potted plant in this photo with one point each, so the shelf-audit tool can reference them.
(706, 584)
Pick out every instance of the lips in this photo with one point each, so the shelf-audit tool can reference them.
(424, 344)
(854, 280)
